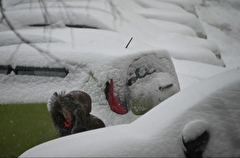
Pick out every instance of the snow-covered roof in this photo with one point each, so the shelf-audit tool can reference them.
(172, 15)
(123, 20)
(77, 43)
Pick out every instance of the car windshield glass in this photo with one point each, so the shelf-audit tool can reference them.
(37, 71)
(146, 65)
(80, 26)
(67, 25)
(5, 69)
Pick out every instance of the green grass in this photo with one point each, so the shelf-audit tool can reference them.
(24, 126)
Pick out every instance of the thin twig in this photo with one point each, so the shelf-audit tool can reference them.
(129, 42)
(25, 41)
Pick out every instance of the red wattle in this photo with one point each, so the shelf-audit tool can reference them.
(113, 100)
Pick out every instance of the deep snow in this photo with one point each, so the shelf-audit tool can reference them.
(158, 133)
(220, 20)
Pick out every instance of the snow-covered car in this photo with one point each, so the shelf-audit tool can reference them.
(115, 16)
(166, 12)
(96, 61)
(204, 118)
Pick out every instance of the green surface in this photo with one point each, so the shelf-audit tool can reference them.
(24, 126)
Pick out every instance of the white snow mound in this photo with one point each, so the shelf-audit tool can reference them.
(194, 129)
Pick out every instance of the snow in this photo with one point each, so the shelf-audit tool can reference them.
(196, 60)
(194, 129)
(186, 18)
(11, 39)
(159, 132)
(171, 27)
(183, 67)
(90, 49)
(126, 22)
(160, 5)
(179, 52)
(222, 27)
(153, 86)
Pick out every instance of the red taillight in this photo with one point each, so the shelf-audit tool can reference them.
(113, 100)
